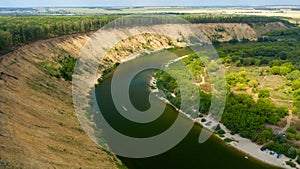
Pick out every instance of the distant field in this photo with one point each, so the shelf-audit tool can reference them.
(263, 12)
(284, 12)
(279, 11)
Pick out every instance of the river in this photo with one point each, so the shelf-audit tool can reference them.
(188, 154)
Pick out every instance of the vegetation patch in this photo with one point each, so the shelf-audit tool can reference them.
(18, 30)
(290, 163)
(228, 140)
(62, 68)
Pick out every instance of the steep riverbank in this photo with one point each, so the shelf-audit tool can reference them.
(39, 127)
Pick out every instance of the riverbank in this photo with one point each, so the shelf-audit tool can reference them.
(245, 145)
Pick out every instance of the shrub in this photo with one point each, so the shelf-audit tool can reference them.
(264, 93)
(291, 164)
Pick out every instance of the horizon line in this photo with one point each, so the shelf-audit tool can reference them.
(115, 6)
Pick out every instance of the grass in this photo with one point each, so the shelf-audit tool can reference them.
(122, 166)
(56, 149)
(179, 51)
(69, 140)
(49, 68)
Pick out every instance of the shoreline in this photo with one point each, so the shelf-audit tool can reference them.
(242, 144)
(245, 145)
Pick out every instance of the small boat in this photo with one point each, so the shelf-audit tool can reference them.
(246, 157)
(124, 108)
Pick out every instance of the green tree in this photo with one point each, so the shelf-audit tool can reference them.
(275, 70)
(263, 93)
(293, 75)
(265, 136)
(292, 153)
(5, 41)
(253, 83)
(296, 84)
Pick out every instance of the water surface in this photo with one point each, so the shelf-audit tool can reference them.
(188, 154)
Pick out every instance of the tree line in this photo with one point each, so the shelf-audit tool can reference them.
(213, 18)
(18, 30)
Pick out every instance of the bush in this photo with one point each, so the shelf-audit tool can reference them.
(67, 69)
(298, 159)
(228, 140)
(220, 132)
(63, 69)
(233, 40)
(264, 93)
(292, 130)
(291, 164)
(292, 153)
(282, 148)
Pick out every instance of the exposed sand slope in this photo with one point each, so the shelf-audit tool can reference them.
(39, 128)
(226, 31)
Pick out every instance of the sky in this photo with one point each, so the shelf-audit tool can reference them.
(76, 3)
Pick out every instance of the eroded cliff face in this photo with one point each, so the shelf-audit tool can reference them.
(145, 42)
(39, 127)
(227, 31)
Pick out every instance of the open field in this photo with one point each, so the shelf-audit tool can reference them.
(279, 11)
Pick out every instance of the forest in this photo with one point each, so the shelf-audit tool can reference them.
(18, 30)
(209, 18)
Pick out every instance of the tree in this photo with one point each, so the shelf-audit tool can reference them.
(5, 41)
(275, 70)
(292, 130)
(67, 69)
(263, 93)
(297, 95)
(253, 83)
(241, 86)
(292, 153)
(298, 159)
(296, 84)
(265, 136)
(293, 75)
(15, 31)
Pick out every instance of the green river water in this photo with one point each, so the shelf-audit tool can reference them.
(188, 154)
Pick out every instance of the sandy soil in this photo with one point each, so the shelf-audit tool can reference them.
(246, 145)
(38, 125)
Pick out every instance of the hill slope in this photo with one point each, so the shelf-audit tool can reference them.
(39, 128)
